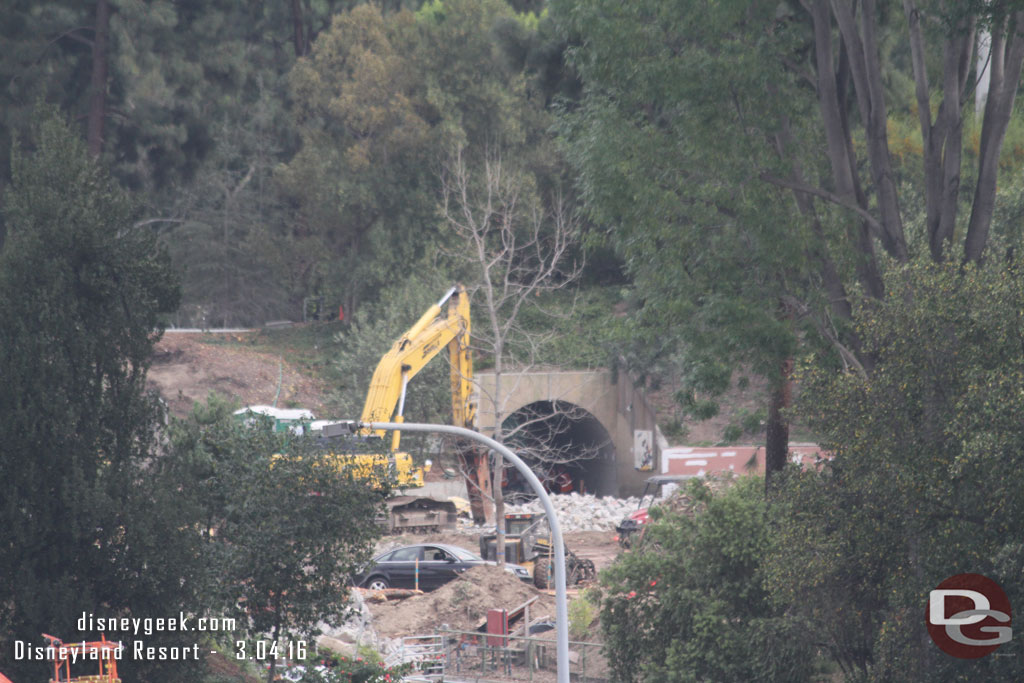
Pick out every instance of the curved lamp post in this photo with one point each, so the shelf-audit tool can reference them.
(561, 612)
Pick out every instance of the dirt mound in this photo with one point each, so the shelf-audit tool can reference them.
(462, 604)
(187, 367)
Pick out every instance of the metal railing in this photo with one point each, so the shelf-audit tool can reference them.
(425, 653)
(476, 656)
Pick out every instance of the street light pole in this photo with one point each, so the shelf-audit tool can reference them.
(561, 609)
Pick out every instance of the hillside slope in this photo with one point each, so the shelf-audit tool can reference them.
(187, 367)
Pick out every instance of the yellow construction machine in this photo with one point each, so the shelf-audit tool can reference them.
(436, 329)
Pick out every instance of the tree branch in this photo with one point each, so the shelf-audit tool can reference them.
(804, 311)
(873, 222)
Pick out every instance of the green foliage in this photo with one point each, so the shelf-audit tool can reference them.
(690, 604)
(366, 667)
(675, 429)
(926, 478)
(583, 609)
(86, 524)
(675, 125)
(37, 68)
(372, 332)
(578, 329)
(231, 242)
(380, 102)
(731, 433)
(197, 114)
(285, 526)
(362, 173)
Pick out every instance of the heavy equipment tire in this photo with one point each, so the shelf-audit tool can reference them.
(542, 571)
(377, 583)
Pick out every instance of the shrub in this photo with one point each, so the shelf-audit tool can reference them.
(691, 605)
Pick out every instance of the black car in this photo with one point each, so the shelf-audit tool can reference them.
(438, 563)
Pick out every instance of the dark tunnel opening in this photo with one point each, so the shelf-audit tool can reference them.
(565, 446)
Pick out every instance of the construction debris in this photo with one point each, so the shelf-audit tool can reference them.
(584, 512)
(386, 594)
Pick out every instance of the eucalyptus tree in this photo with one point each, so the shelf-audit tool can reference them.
(739, 156)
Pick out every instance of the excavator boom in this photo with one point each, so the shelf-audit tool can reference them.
(435, 330)
(417, 347)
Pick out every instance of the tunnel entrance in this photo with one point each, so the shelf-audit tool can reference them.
(566, 447)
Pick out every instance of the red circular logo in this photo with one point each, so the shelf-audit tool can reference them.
(968, 616)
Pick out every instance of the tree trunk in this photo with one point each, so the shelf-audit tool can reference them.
(98, 81)
(832, 85)
(865, 69)
(942, 140)
(1007, 54)
(297, 24)
(777, 437)
(273, 638)
(499, 463)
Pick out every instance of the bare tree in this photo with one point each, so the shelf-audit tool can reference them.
(546, 436)
(518, 247)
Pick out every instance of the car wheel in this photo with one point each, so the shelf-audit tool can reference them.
(377, 583)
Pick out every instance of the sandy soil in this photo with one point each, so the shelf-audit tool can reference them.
(187, 367)
(462, 604)
(597, 546)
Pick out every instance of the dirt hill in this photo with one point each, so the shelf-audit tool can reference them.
(187, 367)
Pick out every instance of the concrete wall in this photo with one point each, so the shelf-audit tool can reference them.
(633, 413)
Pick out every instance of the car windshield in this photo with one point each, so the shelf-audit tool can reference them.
(466, 555)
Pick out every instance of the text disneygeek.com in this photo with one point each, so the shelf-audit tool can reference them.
(131, 628)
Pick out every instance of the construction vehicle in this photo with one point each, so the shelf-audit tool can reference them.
(417, 515)
(365, 456)
(631, 528)
(385, 401)
(366, 452)
(283, 420)
(528, 543)
(104, 652)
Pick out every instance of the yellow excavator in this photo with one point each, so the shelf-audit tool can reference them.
(436, 329)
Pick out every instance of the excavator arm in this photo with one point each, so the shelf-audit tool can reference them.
(436, 329)
(385, 401)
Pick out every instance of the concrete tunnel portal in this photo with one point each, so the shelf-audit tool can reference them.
(565, 445)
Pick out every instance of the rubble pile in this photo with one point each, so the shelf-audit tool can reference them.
(584, 512)
(355, 631)
(461, 604)
(577, 512)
